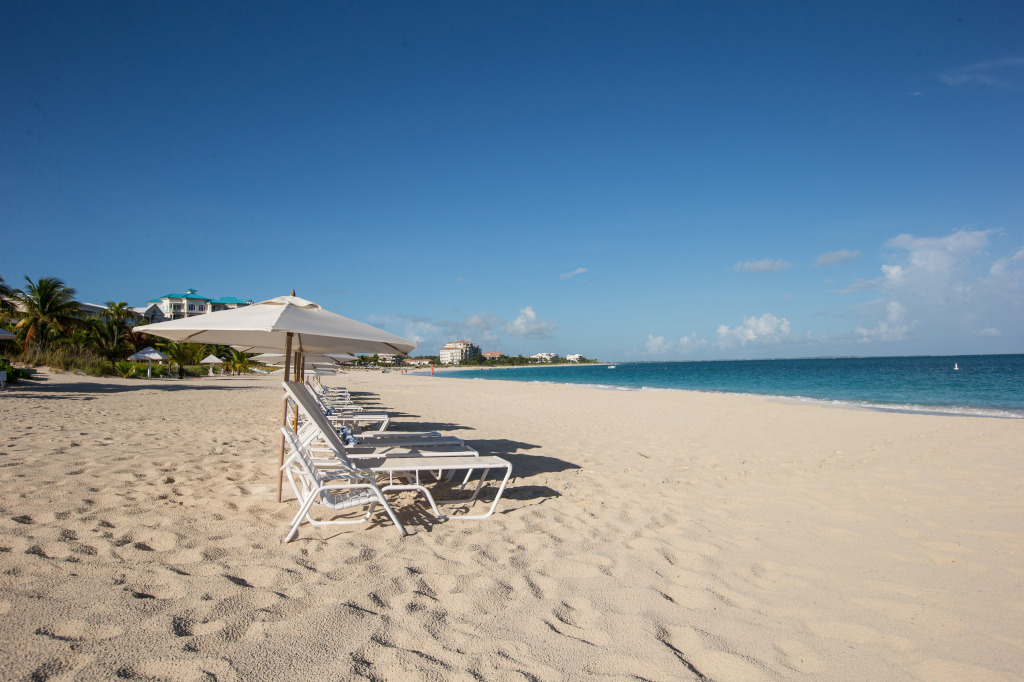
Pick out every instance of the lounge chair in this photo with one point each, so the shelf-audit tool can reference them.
(348, 417)
(336, 489)
(357, 446)
(404, 468)
(377, 443)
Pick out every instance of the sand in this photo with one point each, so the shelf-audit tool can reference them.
(645, 536)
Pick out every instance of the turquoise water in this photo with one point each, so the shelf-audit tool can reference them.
(991, 385)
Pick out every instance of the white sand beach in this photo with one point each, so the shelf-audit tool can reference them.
(644, 536)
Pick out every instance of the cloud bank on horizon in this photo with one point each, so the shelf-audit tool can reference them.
(927, 286)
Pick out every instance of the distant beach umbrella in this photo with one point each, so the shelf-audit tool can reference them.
(211, 360)
(149, 354)
(275, 325)
(278, 359)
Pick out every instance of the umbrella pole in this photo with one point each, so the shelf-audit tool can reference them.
(284, 414)
(298, 379)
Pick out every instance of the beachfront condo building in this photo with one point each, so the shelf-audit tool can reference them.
(455, 352)
(188, 304)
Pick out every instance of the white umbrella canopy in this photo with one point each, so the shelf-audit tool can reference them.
(211, 360)
(264, 328)
(149, 354)
(278, 360)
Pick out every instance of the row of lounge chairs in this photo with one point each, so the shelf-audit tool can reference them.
(332, 464)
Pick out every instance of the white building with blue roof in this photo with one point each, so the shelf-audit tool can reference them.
(188, 304)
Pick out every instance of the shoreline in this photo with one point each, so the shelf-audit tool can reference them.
(901, 408)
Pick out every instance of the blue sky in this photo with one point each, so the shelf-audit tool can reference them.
(626, 180)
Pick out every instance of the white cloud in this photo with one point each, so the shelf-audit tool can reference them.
(766, 329)
(570, 275)
(940, 254)
(999, 73)
(431, 334)
(835, 258)
(883, 331)
(658, 345)
(942, 290)
(529, 326)
(895, 311)
(932, 266)
(688, 344)
(892, 273)
(1008, 267)
(765, 265)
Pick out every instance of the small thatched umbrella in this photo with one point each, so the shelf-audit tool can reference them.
(149, 354)
(211, 360)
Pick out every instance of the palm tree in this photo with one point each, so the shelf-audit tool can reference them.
(78, 340)
(119, 312)
(237, 361)
(182, 354)
(107, 337)
(48, 305)
(6, 298)
(135, 338)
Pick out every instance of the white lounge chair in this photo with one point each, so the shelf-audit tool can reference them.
(404, 468)
(378, 442)
(397, 439)
(349, 415)
(337, 489)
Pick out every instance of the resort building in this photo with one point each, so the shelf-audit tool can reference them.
(574, 357)
(493, 355)
(416, 362)
(455, 352)
(188, 304)
(85, 310)
(544, 357)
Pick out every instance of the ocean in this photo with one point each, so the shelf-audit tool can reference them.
(983, 385)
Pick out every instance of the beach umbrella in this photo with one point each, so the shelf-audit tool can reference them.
(270, 326)
(149, 354)
(6, 335)
(278, 359)
(277, 325)
(211, 360)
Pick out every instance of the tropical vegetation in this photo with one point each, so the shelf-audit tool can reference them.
(51, 329)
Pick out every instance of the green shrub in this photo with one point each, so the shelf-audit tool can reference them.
(68, 359)
(125, 369)
(14, 373)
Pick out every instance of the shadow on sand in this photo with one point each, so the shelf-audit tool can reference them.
(40, 388)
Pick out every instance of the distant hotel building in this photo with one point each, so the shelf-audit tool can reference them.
(454, 352)
(574, 357)
(493, 355)
(188, 304)
(544, 357)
